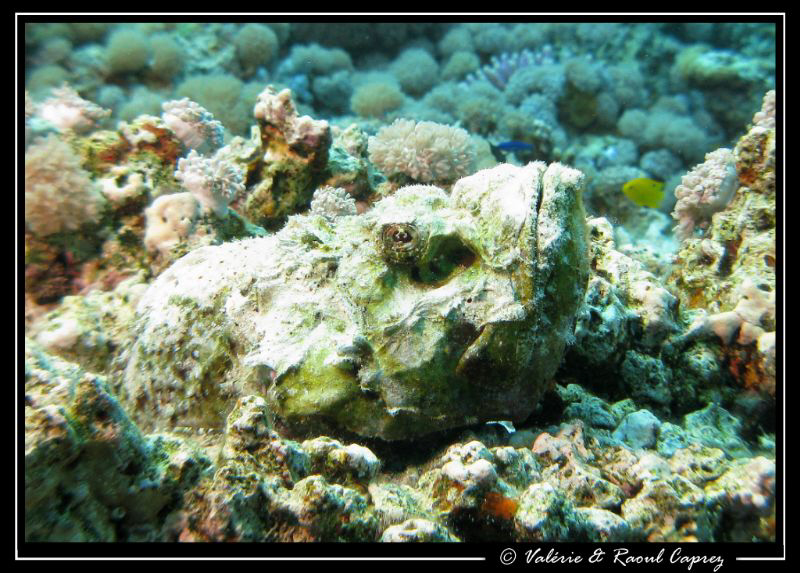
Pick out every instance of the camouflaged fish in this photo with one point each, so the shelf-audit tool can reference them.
(429, 311)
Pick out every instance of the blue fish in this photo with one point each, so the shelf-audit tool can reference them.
(514, 146)
(501, 149)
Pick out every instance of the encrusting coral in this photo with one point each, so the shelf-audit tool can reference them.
(729, 273)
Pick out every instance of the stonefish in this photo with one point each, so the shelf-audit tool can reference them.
(429, 311)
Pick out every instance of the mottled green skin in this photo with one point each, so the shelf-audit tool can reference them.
(340, 336)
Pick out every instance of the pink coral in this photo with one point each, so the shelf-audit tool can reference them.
(705, 190)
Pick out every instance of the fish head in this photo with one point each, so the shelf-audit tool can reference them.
(446, 296)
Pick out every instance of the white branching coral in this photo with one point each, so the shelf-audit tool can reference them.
(425, 151)
(194, 125)
(213, 181)
(332, 202)
(704, 190)
(65, 109)
(59, 195)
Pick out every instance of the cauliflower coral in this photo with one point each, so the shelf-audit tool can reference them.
(425, 151)
(59, 195)
(706, 189)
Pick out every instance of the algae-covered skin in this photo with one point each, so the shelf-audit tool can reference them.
(430, 311)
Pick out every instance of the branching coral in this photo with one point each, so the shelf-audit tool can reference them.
(500, 68)
(213, 181)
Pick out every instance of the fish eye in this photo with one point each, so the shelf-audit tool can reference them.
(401, 243)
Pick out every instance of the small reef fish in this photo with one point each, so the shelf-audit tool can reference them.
(499, 150)
(644, 192)
(507, 425)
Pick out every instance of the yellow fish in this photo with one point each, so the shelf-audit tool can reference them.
(644, 192)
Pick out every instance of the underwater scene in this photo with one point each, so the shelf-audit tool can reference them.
(399, 282)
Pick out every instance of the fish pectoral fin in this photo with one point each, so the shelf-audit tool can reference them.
(477, 347)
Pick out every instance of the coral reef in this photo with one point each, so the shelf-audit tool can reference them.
(375, 99)
(729, 273)
(59, 195)
(416, 71)
(300, 282)
(256, 45)
(65, 109)
(572, 481)
(279, 499)
(502, 68)
(193, 124)
(214, 181)
(169, 220)
(88, 203)
(124, 482)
